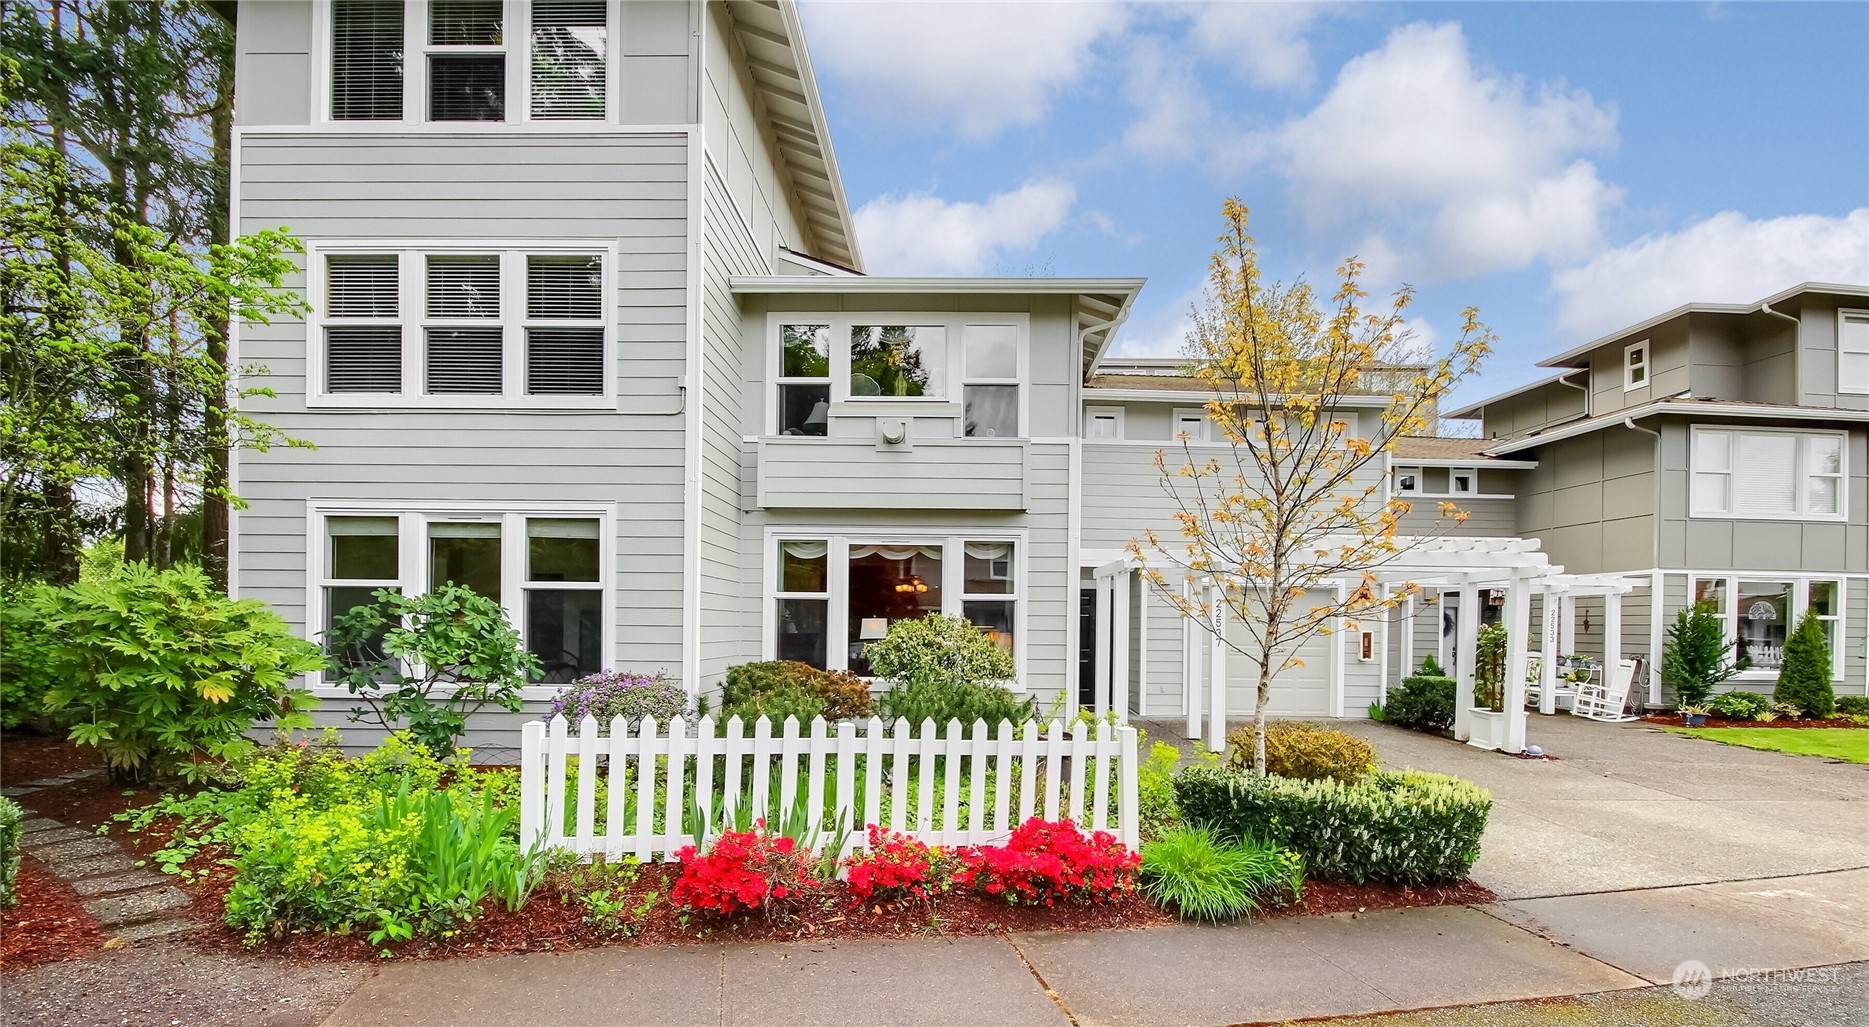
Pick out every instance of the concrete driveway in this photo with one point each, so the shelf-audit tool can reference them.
(1627, 806)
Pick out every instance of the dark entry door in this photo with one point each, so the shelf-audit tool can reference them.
(1086, 646)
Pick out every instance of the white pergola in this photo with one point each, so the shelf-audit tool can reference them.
(1514, 565)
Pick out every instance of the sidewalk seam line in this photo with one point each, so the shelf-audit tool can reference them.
(1050, 992)
(1591, 956)
(1675, 887)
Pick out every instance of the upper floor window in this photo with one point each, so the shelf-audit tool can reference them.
(1192, 422)
(1103, 423)
(456, 327)
(1766, 473)
(1407, 480)
(1463, 481)
(1853, 351)
(475, 60)
(967, 367)
(1635, 366)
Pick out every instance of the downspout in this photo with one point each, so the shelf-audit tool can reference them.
(1797, 351)
(1564, 379)
(1655, 588)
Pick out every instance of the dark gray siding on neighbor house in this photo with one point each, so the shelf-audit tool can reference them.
(400, 187)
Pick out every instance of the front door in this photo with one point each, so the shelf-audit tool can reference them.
(1086, 646)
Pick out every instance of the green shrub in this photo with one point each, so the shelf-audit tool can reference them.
(1156, 812)
(155, 668)
(1203, 878)
(1804, 677)
(1423, 701)
(782, 688)
(1739, 705)
(1489, 668)
(26, 663)
(11, 817)
(1698, 655)
(1400, 827)
(944, 701)
(1853, 705)
(1305, 750)
(468, 654)
(949, 650)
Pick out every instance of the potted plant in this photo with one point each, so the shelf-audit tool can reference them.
(1694, 716)
(1489, 714)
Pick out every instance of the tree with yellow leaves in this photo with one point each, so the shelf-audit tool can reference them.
(1296, 506)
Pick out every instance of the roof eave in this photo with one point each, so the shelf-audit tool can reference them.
(776, 284)
(1690, 408)
(1563, 359)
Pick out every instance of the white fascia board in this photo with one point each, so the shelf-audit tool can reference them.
(1688, 409)
(1472, 410)
(1478, 463)
(778, 284)
(1096, 395)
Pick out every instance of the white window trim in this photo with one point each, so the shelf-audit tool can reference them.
(1629, 384)
(1090, 417)
(412, 554)
(1175, 417)
(1844, 315)
(411, 256)
(1404, 470)
(837, 584)
(1697, 510)
(1800, 602)
(1473, 479)
(518, 75)
(950, 405)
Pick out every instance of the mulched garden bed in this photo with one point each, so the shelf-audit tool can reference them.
(48, 924)
(1674, 720)
(34, 757)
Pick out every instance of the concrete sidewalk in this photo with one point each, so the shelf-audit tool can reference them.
(1264, 971)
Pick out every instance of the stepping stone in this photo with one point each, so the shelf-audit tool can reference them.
(38, 824)
(79, 775)
(72, 869)
(91, 845)
(155, 929)
(55, 836)
(133, 881)
(135, 907)
(17, 791)
(45, 782)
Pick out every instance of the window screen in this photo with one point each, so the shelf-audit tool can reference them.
(366, 60)
(570, 40)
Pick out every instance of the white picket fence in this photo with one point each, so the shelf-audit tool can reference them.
(844, 772)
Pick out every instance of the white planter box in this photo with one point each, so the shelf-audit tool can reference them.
(1489, 727)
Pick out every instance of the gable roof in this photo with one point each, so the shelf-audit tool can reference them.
(1569, 357)
(774, 40)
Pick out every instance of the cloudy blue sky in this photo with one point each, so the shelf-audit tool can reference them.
(1570, 168)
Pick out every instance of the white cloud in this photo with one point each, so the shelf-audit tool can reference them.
(1265, 42)
(923, 234)
(1173, 113)
(1460, 170)
(1727, 258)
(982, 67)
(1161, 331)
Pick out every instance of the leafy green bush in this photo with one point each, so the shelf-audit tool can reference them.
(1305, 750)
(1804, 676)
(1489, 668)
(1203, 878)
(942, 649)
(157, 667)
(1423, 701)
(1156, 812)
(945, 701)
(1406, 827)
(26, 663)
(468, 654)
(1853, 705)
(1698, 655)
(1739, 705)
(11, 817)
(782, 688)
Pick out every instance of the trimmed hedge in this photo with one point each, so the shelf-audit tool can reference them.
(782, 688)
(1423, 701)
(1400, 827)
(1306, 750)
(11, 817)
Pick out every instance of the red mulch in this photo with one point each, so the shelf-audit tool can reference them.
(1342, 897)
(49, 922)
(33, 757)
(1674, 720)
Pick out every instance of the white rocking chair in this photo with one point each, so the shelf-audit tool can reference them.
(1604, 700)
(1562, 687)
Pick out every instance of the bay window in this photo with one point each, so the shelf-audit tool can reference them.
(1760, 613)
(524, 324)
(831, 596)
(1767, 473)
(969, 368)
(544, 566)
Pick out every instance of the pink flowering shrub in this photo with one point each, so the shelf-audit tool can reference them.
(894, 869)
(1048, 863)
(743, 871)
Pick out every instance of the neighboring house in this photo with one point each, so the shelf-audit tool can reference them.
(588, 333)
(1715, 453)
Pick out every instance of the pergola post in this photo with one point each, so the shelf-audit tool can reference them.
(1612, 633)
(1190, 667)
(1466, 645)
(1100, 691)
(1142, 653)
(1217, 714)
(1518, 630)
(1567, 627)
(1119, 645)
(1408, 638)
(1548, 655)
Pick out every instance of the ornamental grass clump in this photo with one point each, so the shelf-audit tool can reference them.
(1047, 863)
(1204, 878)
(1397, 827)
(609, 694)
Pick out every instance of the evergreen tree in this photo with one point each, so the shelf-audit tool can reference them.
(1804, 677)
(1698, 655)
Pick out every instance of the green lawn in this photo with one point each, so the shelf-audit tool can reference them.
(1841, 743)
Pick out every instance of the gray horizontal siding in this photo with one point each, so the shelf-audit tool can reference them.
(965, 474)
(1490, 518)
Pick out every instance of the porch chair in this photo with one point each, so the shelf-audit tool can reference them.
(1604, 700)
(1564, 689)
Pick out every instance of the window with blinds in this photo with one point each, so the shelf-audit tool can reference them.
(564, 326)
(1767, 474)
(362, 331)
(463, 357)
(366, 60)
(1853, 351)
(570, 41)
(466, 60)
